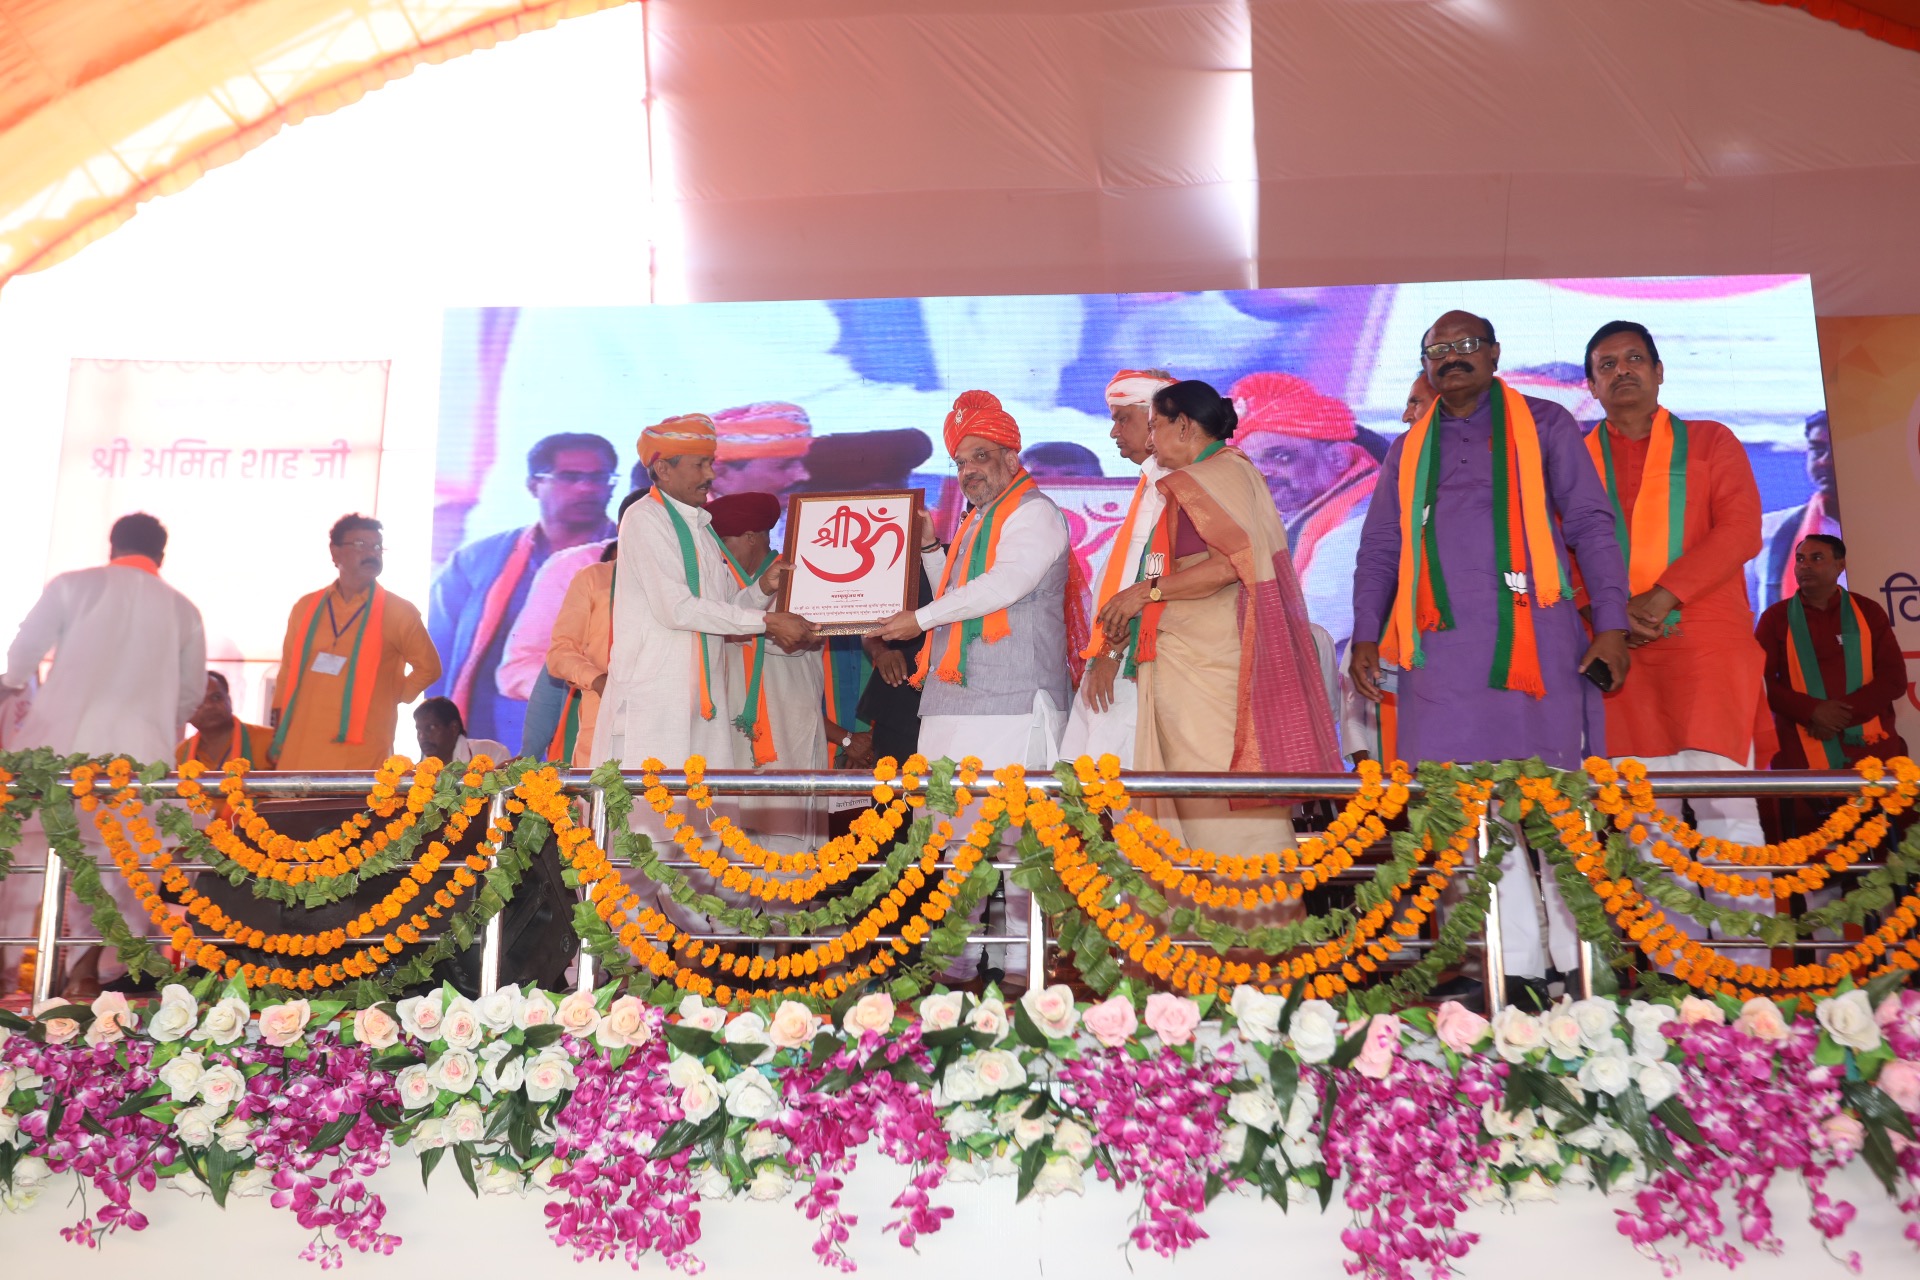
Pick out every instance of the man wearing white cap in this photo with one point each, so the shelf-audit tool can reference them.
(1102, 720)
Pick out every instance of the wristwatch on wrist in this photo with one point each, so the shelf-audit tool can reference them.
(1116, 655)
(1153, 588)
(846, 742)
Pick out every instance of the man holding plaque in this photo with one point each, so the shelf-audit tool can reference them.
(675, 599)
(1102, 722)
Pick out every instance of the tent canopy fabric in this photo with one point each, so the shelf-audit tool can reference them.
(823, 148)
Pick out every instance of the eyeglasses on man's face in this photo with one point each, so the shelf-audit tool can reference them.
(578, 479)
(1465, 346)
(362, 544)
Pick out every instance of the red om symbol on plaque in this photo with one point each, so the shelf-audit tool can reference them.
(850, 529)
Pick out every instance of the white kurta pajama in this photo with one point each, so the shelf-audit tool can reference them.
(796, 688)
(130, 665)
(1111, 732)
(651, 707)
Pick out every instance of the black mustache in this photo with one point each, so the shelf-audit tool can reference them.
(1450, 366)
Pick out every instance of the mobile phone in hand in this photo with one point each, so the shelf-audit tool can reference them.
(1600, 674)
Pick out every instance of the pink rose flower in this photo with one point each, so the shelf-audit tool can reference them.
(1172, 1018)
(59, 1030)
(1900, 1080)
(1843, 1133)
(1459, 1027)
(1693, 1009)
(1111, 1021)
(1383, 1045)
(1761, 1018)
(375, 1029)
(282, 1024)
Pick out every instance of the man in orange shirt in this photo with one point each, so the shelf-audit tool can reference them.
(1688, 514)
(220, 736)
(353, 653)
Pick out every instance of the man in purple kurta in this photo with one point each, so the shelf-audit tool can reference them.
(1448, 710)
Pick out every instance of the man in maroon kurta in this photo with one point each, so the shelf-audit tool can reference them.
(1818, 562)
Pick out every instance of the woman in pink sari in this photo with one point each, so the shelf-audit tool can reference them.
(1228, 677)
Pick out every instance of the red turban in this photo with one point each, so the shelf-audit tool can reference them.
(1289, 406)
(739, 513)
(978, 413)
(769, 429)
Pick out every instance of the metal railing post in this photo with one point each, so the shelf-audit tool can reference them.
(597, 816)
(1588, 958)
(53, 896)
(490, 941)
(1494, 958)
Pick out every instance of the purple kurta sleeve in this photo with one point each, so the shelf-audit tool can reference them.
(1586, 515)
(1376, 568)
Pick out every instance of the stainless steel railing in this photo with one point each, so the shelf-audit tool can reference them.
(1284, 788)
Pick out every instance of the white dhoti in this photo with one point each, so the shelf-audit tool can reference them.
(1104, 733)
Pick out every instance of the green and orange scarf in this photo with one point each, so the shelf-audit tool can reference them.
(1803, 674)
(1524, 549)
(363, 665)
(753, 720)
(1656, 535)
(979, 534)
(690, 561)
(1143, 644)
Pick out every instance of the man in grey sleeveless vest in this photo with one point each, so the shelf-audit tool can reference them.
(994, 669)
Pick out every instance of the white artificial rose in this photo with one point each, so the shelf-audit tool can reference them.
(415, 1089)
(174, 1016)
(1506, 1152)
(282, 1024)
(1849, 1020)
(549, 1074)
(181, 1076)
(1658, 1081)
(460, 1025)
(1643, 1015)
(1254, 1108)
(536, 1010)
(1533, 1189)
(793, 1026)
(195, 1125)
(429, 1134)
(770, 1182)
(30, 1172)
(1301, 1149)
(498, 1010)
(1073, 1139)
(1517, 1033)
(578, 1016)
(1027, 1131)
(1504, 1124)
(1233, 1144)
(1562, 1032)
(1052, 1010)
(750, 1029)
(713, 1184)
(1302, 1113)
(1002, 1166)
(1061, 1173)
(221, 1086)
(683, 1069)
(500, 1180)
(1589, 1137)
(751, 1096)
(937, 1013)
(1315, 1031)
(466, 1122)
(998, 1070)
(964, 1122)
(625, 1025)
(762, 1144)
(236, 1134)
(255, 1181)
(1257, 1013)
(455, 1071)
(869, 1014)
(225, 1022)
(374, 1029)
(707, 1017)
(989, 1018)
(1597, 1019)
(1608, 1072)
(699, 1098)
(9, 1127)
(547, 1170)
(961, 1083)
(500, 1073)
(420, 1016)
(967, 1171)
(1541, 1150)
(1576, 1174)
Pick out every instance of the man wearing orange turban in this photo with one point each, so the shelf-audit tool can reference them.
(993, 671)
(1303, 443)
(675, 598)
(762, 448)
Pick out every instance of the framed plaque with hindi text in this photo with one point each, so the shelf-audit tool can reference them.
(855, 558)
